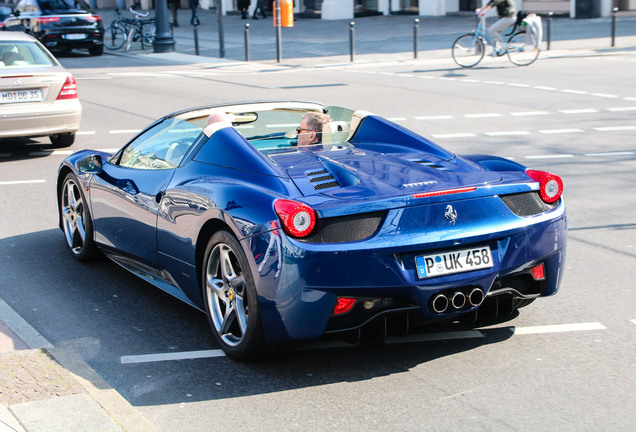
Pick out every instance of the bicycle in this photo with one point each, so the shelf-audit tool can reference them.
(124, 31)
(522, 45)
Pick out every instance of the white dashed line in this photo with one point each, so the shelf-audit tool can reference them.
(482, 115)
(578, 92)
(628, 153)
(20, 182)
(615, 128)
(454, 135)
(555, 156)
(560, 131)
(579, 111)
(545, 88)
(619, 109)
(528, 113)
(508, 133)
(519, 85)
(559, 328)
(494, 82)
(437, 117)
(604, 95)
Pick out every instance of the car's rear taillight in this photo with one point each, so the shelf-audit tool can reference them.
(94, 18)
(298, 219)
(45, 20)
(69, 89)
(551, 185)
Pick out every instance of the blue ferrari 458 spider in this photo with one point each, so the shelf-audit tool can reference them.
(371, 226)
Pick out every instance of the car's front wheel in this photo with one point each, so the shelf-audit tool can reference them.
(76, 220)
(231, 300)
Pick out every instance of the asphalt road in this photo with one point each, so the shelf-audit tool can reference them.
(565, 363)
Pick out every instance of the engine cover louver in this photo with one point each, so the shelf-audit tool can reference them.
(322, 180)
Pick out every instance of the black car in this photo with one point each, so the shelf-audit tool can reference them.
(61, 25)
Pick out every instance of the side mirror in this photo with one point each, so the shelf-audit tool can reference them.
(90, 165)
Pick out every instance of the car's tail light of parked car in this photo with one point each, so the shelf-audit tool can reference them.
(45, 20)
(69, 89)
(94, 18)
(298, 219)
(551, 185)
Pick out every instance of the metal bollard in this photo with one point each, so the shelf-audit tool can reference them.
(247, 42)
(196, 40)
(614, 26)
(352, 44)
(549, 35)
(416, 26)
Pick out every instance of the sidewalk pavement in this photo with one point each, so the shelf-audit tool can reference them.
(315, 42)
(47, 389)
(44, 388)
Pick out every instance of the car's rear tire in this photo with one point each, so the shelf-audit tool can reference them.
(62, 140)
(96, 50)
(76, 220)
(231, 301)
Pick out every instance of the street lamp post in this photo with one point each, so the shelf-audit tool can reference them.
(163, 38)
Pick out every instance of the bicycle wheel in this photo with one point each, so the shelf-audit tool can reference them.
(523, 48)
(468, 50)
(114, 37)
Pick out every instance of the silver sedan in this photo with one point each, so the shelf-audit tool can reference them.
(38, 97)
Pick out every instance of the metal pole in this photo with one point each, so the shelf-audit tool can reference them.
(196, 40)
(352, 43)
(279, 42)
(163, 38)
(614, 26)
(549, 29)
(219, 11)
(247, 42)
(415, 35)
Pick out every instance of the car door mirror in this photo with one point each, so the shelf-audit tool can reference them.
(90, 165)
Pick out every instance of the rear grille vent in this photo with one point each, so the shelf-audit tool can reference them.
(430, 164)
(527, 204)
(322, 180)
(343, 229)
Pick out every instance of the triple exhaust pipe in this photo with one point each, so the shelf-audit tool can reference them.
(457, 300)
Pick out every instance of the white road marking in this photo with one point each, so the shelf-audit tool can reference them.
(494, 82)
(627, 153)
(18, 182)
(578, 92)
(519, 85)
(436, 117)
(634, 321)
(559, 328)
(508, 133)
(554, 156)
(618, 109)
(560, 131)
(482, 115)
(604, 95)
(615, 128)
(545, 88)
(528, 113)
(185, 355)
(62, 152)
(454, 135)
(579, 111)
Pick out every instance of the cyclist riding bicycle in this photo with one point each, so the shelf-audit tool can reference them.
(507, 16)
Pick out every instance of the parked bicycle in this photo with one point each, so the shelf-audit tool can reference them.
(123, 32)
(521, 46)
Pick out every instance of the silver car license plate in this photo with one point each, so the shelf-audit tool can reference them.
(445, 263)
(17, 96)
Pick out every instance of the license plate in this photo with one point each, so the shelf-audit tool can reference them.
(75, 36)
(18, 96)
(446, 263)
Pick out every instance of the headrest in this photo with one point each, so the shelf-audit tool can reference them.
(335, 132)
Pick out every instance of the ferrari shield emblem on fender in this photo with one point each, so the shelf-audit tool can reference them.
(450, 214)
